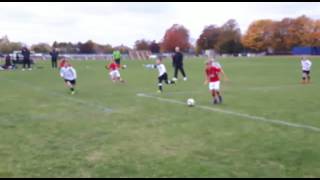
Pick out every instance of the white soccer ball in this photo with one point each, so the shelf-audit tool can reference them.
(190, 102)
(124, 66)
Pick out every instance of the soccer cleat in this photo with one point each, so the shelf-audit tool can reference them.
(185, 78)
(174, 79)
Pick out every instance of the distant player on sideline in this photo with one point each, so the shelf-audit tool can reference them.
(163, 76)
(212, 75)
(114, 72)
(69, 74)
(306, 70)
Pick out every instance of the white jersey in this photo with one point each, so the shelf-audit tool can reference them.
(161, 68)
(68, 73)
(306, 65)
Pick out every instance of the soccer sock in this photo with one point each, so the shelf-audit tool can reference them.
(72, 89)
(160, 86)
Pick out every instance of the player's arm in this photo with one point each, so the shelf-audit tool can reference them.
(224, 75)
(206, 81)
(74, 73)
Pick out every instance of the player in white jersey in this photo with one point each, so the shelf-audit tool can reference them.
(69, 74)
(306, 70)
(163, 76)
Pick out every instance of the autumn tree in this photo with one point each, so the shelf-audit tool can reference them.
(154, 47)
(88, 47)
(6, 46)
(141, 45)
(41, 48)
(176, 35)
(259, 35)
(229, 39)
(208, 39)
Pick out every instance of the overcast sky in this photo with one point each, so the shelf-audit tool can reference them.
(124, 23)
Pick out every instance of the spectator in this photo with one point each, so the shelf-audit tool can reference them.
(54, 58)
(26, 58)
(177, 59)
(8, 64)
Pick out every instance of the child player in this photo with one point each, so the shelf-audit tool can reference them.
(163, 76)
(69, 74)
(114, 72)
(306, 69)
(212, 74)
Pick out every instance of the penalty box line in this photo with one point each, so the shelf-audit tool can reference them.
(242, 115)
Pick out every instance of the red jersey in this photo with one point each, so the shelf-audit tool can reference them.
(213, 73)
(113, 67)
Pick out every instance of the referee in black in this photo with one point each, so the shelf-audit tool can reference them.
(54, 58)
(177, 59)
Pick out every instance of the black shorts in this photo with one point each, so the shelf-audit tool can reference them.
(117, 61)
(72, 82)
(164, 77)
(306, 72)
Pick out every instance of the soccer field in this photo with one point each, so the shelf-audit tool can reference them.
(268, 125)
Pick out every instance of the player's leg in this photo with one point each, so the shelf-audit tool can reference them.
(304, 77)
(119, 77)
(160, 79)
(175, 73)
(24, 63)
(219, 96)
(55, 64)
(29, 64)
(112, 76)
(308, 77)
(166, 80)
(214, 96)
(69, 85)
(183, 73)
(215, 88)
(72, 86)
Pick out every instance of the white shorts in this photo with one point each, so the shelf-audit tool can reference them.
(214, 86)
(115, 74)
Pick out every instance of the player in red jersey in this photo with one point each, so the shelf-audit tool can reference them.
(212, 74)
(114, 72)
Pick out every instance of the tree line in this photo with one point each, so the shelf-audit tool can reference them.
(261, 36)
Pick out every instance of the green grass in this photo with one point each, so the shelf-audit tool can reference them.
(45, 132)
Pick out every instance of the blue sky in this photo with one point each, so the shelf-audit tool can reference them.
(123, 23)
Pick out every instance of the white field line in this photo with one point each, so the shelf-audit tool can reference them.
(246, 116)
(40, 89)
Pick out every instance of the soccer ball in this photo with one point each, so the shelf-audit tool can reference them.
(124, 66)
(190, 102)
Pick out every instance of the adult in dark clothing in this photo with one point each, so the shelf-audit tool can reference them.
(177, 59)
(54, 58)
(26, 58)
(7, 64)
